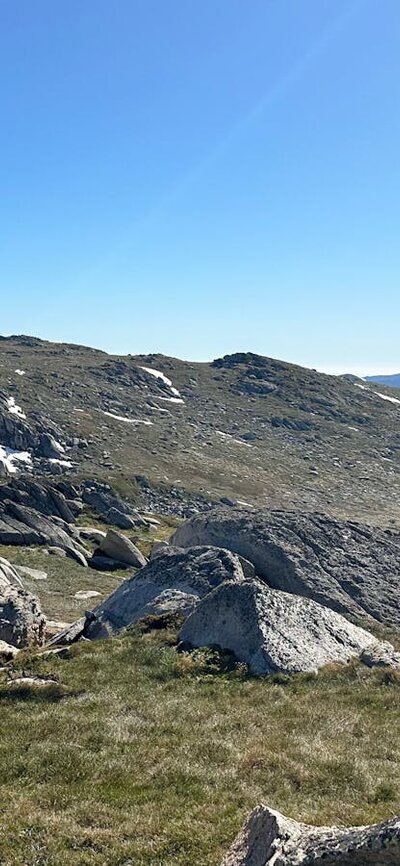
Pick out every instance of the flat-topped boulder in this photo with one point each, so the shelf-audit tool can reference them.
(350, 567)
(273, 631)
(270, 839)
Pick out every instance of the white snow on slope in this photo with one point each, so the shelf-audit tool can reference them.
(386, 397)
(14, 409)
(236, 441)
(164, 378)
(127, 420)
(359, 385)
(66, 463)
(171, 399)
(12, 460)
(20, 372)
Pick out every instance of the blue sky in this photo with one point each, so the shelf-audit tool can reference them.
(198, 178)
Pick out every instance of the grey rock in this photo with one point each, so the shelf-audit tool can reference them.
(90, 533)
(271, 630)
(7, 652)
(21, 525)
(33, 573)
(21, 620)
(381, 655)
(157, 548)
(106, 563)
(77, 556)
(270, 838)
(69, 634)
(118, 518)
(349, 567)
(57, 551)
(116, 546)
(192, 572)
(49, 447)
(9, 574)
(101, 498)
(171, 601)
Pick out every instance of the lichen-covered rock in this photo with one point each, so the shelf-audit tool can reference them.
(381, 655)
(270, 839)
(349, 567)
(21, 620)
(271, 630)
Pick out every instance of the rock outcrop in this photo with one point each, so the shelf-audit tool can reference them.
(270, 838)
(349, 567)
(193, 572)
(21, 620)
(271, 630)
(171, 583)
(21, 525)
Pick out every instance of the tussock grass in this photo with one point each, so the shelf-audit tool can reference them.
(154, 757)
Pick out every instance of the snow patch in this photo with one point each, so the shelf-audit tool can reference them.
(235, 441)
(171, 399)
(12, 459)
(164, 378)
(86, 593)
(14, 409)
(20, 372)
(127, 420)
(66, 463)
(386, 397)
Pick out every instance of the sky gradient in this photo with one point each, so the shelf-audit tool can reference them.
(202, 178)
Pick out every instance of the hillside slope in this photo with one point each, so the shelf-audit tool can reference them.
(252, 428)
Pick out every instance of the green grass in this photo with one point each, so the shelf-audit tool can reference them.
(141, 755)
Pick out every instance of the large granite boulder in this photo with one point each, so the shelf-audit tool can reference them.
(271, 630)
(270, 839)
(173, 582)
(21, 620)
(349, 567)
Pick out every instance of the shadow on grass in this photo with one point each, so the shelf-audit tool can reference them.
(51, 693)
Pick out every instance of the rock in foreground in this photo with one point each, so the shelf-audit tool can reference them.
(192, 572)
(270, 838)
(349, 567)
(21, 620)
(273, 631)
(173, 582)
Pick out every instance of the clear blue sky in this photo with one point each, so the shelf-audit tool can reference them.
(198, 177)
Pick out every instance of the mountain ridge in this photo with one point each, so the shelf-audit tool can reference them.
(245, 426)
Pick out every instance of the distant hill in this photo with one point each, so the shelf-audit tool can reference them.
(250, 428)
(392, 381)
